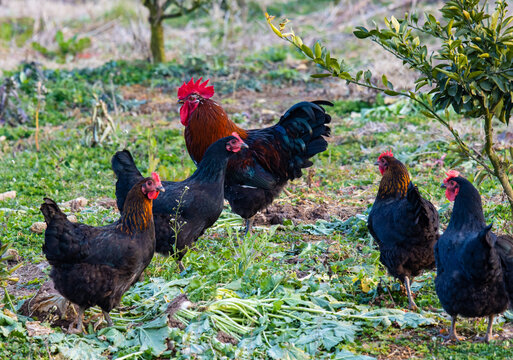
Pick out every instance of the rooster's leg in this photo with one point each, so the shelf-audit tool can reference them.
(248, 226)
(411, 302)
(107, 318)
(78, 328)
(489, 330)
(453, 335)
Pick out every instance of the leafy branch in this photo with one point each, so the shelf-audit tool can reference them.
(472, 74)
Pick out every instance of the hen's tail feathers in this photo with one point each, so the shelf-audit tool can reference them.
(304, 127)
(504, 246)
(51, 210)
(127, 173)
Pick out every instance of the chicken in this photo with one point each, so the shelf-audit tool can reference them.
(276, 154)
(404, 224)
(474, 266)
(97, 265)
(188, 207)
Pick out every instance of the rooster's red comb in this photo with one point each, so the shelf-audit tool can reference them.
(386, 153)
(195, 87)
(156, 178)
(451, 174)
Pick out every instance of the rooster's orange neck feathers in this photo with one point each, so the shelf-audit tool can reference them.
(208, 123)
(137, 213)
(395, 180)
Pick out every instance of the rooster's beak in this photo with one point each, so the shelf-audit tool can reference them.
(161, 188)
(376, 163)
(443, 186)
(180, 101)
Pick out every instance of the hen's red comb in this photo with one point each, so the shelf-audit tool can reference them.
(451, 174)
(386, 153)
(237, 136)
(156, 178)
(195, 87)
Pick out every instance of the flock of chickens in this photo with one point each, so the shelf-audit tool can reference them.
(97, 265)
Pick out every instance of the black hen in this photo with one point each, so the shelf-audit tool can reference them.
(97, 265)
(276, 154)
(188, 207)
(474, 266)
(404, 224)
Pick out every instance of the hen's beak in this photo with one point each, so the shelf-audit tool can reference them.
(244, 145)
(443, 186)
(376, 163)
(160, 188)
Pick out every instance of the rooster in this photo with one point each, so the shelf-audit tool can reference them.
(404, 224)
(276, 154)
(474, 266)
(188, 207)
(97, 265)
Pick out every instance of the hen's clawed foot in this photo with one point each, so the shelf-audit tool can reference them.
(76, 326)
(412, 306)
(489, 331)
(453, 335)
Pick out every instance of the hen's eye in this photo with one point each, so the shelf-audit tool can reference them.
(148, 183)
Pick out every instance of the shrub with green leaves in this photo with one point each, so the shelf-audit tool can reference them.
(471, 71)
(66, 49)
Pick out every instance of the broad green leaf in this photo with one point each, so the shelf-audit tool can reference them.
(308, 52)
(318, 50)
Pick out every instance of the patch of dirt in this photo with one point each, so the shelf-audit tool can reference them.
(180, 302)
(26, 274)
(303, 211)
(225, 338)
(154, 99)
(48, 305)
(399, 351)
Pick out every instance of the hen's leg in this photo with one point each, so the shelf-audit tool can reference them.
(180, 265)
(248, 226)
(107, 318)
(453, 335)
(489, 330)
(78, 328)
(411, 302)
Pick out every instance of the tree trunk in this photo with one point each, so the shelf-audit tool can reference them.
(496, 162)
(157, 42)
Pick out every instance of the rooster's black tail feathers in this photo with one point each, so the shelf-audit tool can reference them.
(305, 128)
(127, 173)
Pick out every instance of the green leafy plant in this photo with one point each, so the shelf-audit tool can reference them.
(6, 272)
(66, 49)
(471, 71)
(17, 29)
